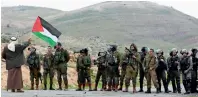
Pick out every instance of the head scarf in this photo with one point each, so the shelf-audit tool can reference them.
(13, 42)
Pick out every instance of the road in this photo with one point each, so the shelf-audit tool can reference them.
(73, 93)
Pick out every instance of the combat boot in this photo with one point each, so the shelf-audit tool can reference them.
(83, 87)
(96, 85)
(79, 87)
(148, 90)
(90, 89)
(157, 90)
(120, 89)
(32, 87)
(45, 87)
(141, 90)
(51, 88)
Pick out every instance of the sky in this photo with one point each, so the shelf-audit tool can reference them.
(189, 7)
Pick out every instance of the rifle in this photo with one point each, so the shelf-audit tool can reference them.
(130, 56)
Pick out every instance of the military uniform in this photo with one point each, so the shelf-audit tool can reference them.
(101, 72)
(84, 70)
(194, 71)
(113, 60)
(174, 73)
(186, 68)
(150, 65)
(61, 57)
(123, 70)
(161, 72)
(132, 70)
(78, 68)
(48, 69)
(34, 66)
(141, 71)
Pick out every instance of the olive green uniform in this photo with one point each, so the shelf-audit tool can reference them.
(48, 69)
(61, 57)
(124, 62)
(34, 66)
(150, 64)
(132, 70)
(113, 61)
(102, 69)
(84, 70)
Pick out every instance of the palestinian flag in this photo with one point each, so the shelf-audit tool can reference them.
(45, 31)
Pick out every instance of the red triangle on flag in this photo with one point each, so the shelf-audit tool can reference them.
(37, 26)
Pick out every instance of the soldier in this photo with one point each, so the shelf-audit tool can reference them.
(78, 67)
(33, 62)
(113, 60)
(186, 68)
(84, 69)
(48, 68)
(161, 70)
(61, 57)
(123, 68)
(132, 67)
(150, 65)
(194, 71)
(141, 70)
(101, 63)
(173, 70)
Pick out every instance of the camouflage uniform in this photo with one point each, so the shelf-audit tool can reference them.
(186, 68)
(132, 70)
(34, 66)
(150, 64)
(174, 73)
(123, 70)
(61, 57)
(101, 72)
(113, 60)
(84, 70)
(48, 69)
(161, 72)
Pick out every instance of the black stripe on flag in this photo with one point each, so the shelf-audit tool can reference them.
(50, 28)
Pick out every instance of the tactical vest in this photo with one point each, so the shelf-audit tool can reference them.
(184, 63)
(112, 59)
(33, 60)
(161, 64)
(48, 61)
(172, 64)
(101, 62)
(59, 57)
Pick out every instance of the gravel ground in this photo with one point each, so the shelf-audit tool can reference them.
(73, 93)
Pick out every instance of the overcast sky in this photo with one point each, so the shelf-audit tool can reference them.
(189, 7)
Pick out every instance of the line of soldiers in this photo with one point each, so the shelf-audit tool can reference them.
(153, 68)
(51, 63)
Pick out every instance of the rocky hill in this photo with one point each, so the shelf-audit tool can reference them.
(96, 26)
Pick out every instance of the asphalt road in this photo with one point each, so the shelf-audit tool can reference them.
(73, 93)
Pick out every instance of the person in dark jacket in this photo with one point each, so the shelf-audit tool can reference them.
(14, 58)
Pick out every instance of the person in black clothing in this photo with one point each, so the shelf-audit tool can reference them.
(161, 70)
(194, 71)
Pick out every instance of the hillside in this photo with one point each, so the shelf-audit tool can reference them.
(96, 26)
